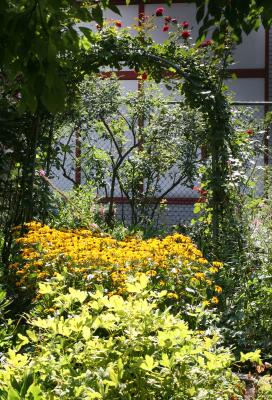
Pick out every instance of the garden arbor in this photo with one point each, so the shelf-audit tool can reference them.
(198, 71)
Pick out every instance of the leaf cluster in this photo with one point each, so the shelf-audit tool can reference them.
(235, 17)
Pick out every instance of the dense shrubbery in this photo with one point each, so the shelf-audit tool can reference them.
(246, 315)
(6, 325)
(98, 347)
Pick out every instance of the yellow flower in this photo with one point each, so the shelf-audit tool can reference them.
(214, 300)
(217, 264)
(14, 265)
(50, 310)
(37, 263)
(172, 295)
(218, 289)
(200, 276)
(203, 261)
(20, 272)
(42, 275)
(151, 272)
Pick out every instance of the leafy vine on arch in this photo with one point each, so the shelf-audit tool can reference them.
(199, 73)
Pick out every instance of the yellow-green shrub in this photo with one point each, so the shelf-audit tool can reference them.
(100, 347)
(264, 388)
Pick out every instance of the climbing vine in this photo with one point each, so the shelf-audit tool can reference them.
(198, 71)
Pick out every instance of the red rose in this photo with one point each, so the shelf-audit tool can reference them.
(165, 28)
(185, 24)
(118, 24)
(250, 132)
(167, 19)
(144, 76)
(206, 43)
(185, 34)
(143, 17)
(174, 21)
(159, 12)
(202, 192)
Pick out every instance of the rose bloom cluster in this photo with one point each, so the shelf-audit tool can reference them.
(182, 27)
(185, 33)
(173, 263)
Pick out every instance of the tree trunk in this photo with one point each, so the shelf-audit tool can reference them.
(29, 170)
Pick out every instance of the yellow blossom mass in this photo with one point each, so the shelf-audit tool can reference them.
(173, 262)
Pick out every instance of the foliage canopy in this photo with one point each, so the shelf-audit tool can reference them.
(239, 16)
(39, 43)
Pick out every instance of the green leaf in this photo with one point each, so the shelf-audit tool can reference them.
(165, 361)
(78, 295)
(197, 208)
(13, 394)
(16, 385)
(23, 340)
(32, 336)
(140, 284)
(45, 288)
(253, 356)
(36, 391)
(53, 97)
(86, 332)
(114, 8)
(162, 293)
(113, 376)
(27, 382)
(116, 302)
(97, 14)
(200, 13)
(86, 32)
(148, 363)
(94, 396)
(29, 99)
(191, 391)
(84, 43)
